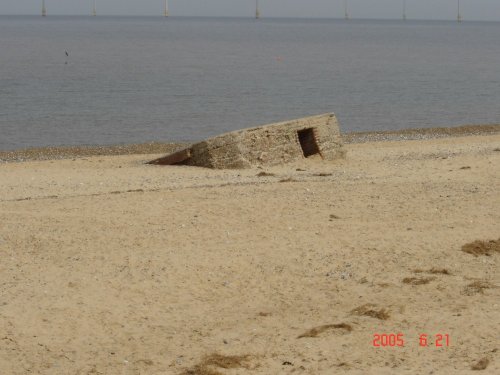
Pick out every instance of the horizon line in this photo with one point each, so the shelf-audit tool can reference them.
(251, 17)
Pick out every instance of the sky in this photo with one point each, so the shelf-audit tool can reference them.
(378, 9)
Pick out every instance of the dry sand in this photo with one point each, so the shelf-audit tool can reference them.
(110, 266)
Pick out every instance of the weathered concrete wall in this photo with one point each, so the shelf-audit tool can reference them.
(266, 145)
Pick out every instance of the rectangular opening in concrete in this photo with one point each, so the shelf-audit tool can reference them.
(308, 142)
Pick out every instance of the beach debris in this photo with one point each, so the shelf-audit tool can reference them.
(383, 285)
(210, 363)
(287, 363)
(343, 272)
(265, 174)
(477, 287)
(316, 331)
(265, 313)
(418, 280)
(345, 275)
(434, 271)
(481, 364)
(273, 144)
(478, 247)
(371, 310)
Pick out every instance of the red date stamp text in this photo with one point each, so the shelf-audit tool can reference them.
(437, 340)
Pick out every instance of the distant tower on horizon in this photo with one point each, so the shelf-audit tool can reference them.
(257, 10)
(94, 9)
(346, 11)
(459, 16)
(404, 10)
(165, 10)
(44, 10)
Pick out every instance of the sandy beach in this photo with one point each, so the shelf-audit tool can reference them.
(111, 266)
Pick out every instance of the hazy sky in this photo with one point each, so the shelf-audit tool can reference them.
(420, 9)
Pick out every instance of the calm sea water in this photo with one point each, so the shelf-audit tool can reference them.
(136, 79)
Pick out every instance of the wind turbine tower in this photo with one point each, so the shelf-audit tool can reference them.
(44, 10)
(346, 12)
(257, 10)
(165, 11)
(94, 9)
(459, 16)
(404, 10)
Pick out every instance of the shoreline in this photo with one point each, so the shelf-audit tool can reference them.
(70, 152)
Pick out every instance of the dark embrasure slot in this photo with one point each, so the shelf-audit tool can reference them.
(308, 142)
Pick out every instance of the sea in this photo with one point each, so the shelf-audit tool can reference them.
(75, 80)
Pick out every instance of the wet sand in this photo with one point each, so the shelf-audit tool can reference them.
(111, 266)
